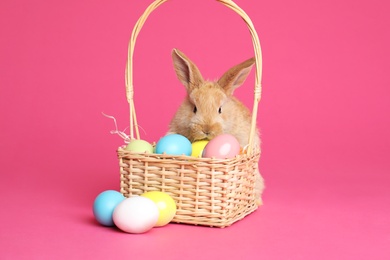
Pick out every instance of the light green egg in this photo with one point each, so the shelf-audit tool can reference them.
(139, 146)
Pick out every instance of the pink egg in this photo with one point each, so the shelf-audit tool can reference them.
(222, 146)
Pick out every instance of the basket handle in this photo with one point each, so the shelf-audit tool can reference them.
(129, 67)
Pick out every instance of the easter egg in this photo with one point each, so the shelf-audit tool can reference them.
(104, 205)
(174, 144)
(166, 206)
(136, 215)
(197, 148)
(139, 146)
(222, 147)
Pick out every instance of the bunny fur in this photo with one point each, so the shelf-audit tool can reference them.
(210, 109)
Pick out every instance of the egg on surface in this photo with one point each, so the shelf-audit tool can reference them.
(223, 146)
(136, 215)
(104, 205)
(166, 206)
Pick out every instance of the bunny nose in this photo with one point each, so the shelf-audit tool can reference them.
(206, 131)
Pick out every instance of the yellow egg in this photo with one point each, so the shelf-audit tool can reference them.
(197, 148)
(165, 204)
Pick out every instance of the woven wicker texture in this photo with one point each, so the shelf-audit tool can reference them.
(211, 192)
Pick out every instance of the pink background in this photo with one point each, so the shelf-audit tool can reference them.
(324, 117)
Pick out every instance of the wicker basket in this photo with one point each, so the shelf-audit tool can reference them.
(210, 192)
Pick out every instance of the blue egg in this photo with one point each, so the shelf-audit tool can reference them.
(174, 144)
(104, 205)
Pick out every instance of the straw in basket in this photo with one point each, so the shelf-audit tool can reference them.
(207, 191)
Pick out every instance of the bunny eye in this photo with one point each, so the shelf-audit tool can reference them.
(220, 110)
(195, 109)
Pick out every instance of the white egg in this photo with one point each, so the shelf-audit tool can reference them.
(136, 215)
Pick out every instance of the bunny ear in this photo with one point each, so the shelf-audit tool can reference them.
(186, 70)
(235, 77)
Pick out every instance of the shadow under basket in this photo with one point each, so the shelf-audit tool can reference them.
(209, 192)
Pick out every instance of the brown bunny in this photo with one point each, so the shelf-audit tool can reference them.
(210, 108)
